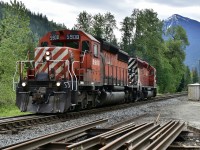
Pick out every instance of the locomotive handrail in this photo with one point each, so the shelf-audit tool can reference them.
(74, 72)
(14, 78)
(25, 61)
(21, 62)
(84, 55)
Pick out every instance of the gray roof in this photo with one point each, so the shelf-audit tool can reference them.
(90, 36)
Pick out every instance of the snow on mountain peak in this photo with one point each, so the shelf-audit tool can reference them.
(174, 20)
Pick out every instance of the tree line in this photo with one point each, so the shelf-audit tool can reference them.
(141, 36)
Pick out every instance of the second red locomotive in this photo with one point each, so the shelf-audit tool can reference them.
(73, 70)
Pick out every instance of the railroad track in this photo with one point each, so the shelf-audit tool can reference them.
(37, 142)
(15, 124)
(149, 136)
(144, 136)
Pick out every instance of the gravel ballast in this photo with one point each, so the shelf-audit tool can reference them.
(176, 108)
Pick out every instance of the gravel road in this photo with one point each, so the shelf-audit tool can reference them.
(175, 108)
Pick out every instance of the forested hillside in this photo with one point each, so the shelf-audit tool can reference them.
(39, 23)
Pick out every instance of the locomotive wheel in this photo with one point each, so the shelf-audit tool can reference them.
(89, 105)
(78, 107)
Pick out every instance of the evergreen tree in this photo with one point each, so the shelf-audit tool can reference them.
(195, 78)
(181, 85)
(188, 78)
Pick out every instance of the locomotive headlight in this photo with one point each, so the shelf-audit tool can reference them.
(82, 82)
(24, 84)
(47, 53)
(58, 83)
(47, 57)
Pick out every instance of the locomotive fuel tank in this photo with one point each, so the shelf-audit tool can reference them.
(110, 98)
(148, 92)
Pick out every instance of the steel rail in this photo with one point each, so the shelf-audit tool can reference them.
(19, 116)
(22, 123)
(88, 143)
(176, 127)
(183, 147)
(195, 130)
(35, 143)
(131, 145)
(7, 120)
(123, 139)
(170, 138)
(110, 137)
(159, 133)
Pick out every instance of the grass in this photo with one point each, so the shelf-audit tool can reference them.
(11, 110)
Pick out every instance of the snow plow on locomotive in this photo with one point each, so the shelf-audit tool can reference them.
(73, 70)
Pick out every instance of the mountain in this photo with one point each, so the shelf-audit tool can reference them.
(192, 28)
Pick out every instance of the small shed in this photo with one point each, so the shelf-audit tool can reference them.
(194, 91)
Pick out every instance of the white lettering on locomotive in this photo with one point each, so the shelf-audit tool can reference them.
(73, 37)
(95, 62)
(54, 37)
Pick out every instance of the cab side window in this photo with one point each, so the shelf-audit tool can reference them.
(85, 46)
(95, 50)
(43, 44)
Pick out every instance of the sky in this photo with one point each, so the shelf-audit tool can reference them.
(66, 11)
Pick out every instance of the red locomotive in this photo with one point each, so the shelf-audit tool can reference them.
(73, 70)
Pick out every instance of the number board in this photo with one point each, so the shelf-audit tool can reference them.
(73, 37)
(54, 37)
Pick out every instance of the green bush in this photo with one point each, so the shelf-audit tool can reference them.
(10, 110)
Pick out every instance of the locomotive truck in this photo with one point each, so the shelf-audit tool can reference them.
(73, 70)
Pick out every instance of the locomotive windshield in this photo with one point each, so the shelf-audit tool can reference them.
(72, 44)
(58, 43)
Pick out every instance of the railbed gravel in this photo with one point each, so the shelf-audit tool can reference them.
(166, 108)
